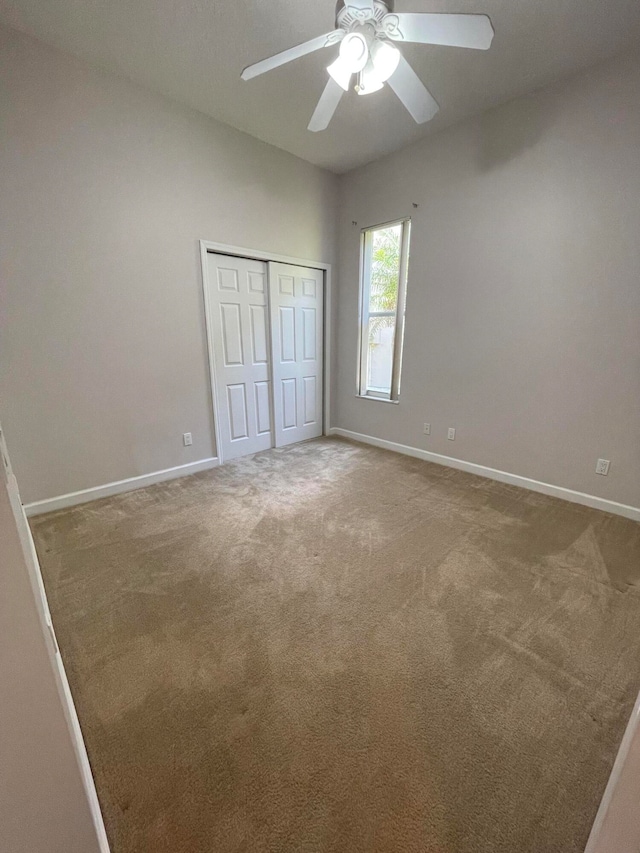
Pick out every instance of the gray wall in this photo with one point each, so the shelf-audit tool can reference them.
(523, 311)
(43, 807)
(106, 189)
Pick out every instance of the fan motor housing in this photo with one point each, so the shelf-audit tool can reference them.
(346, 18)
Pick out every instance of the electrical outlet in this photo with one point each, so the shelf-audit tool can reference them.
(602, 467)
(451, 433)
(427, 429)
(186, 437)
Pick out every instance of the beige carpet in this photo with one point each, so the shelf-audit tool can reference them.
(335, 649)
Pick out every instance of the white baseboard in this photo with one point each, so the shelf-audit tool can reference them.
(81, 755)
(624, 831)
(592, 501)
(128, 485)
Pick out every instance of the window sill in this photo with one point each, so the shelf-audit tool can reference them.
(377, 399)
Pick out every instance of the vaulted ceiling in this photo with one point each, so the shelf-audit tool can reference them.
(194, 51)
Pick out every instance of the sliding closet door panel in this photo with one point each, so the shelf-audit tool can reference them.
(310, 388)
(258, 318)
(239, 328)
(263, 407)
(296, 300)
(287, 334)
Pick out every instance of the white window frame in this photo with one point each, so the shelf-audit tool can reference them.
(366, 242)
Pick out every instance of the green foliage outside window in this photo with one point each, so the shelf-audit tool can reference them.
(385, 274)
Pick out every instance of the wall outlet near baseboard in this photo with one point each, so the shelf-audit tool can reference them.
(451, 433)
(427, 429)
(186, 438)
(603, 467)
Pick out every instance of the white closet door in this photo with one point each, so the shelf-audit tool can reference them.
(239, 331)
(296, 300)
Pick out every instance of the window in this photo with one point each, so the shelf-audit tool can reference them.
(383, 287)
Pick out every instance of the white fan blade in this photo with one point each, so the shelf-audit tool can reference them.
(414, 95)
(292, 53)
(473, 31)
(327, 104)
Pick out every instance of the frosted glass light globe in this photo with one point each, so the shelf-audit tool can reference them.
(354, 52)
(369, 80)
(339, 70)
(385, 58)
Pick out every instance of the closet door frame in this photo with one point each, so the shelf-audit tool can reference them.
(207, 246)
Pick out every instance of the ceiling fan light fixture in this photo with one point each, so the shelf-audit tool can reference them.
(354, 52)
(341, 73)
(385, 58)
(369, 80)
(366, 31)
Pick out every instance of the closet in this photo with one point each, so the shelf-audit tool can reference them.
(266, 323)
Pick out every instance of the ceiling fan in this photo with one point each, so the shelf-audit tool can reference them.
(365, 31)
